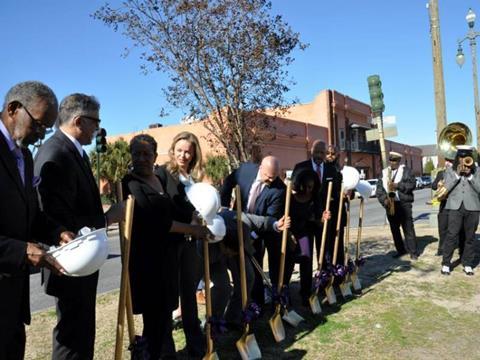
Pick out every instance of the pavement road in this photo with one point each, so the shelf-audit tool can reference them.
(374, 215)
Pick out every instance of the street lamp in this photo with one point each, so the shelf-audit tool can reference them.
(471, 36)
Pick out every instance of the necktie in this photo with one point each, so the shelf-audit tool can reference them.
(17, 152)
(252, 198)
(319, 173)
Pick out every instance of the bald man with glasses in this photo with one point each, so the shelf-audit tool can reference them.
(69, 193)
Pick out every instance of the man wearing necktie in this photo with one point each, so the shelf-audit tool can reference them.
(263, 193)
(29, 109)
(69, 194)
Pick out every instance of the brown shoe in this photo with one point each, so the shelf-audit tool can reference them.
(200, 297)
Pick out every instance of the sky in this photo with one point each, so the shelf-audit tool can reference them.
(59, 43)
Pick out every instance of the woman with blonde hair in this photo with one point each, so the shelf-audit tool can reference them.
(184, 168)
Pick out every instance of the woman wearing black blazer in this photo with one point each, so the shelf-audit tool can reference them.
(153, 251)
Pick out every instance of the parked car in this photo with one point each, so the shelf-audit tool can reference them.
(426, 180)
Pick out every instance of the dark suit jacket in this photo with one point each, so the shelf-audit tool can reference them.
(270, 202)
(330, 173)
(153, 256)
(20, 222)
(404, 188)
(69, 194)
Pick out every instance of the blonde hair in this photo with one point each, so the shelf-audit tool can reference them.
(195, 167)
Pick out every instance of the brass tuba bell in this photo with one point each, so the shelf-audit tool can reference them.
(451, 136)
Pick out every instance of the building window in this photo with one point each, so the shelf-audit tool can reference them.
(342, 138)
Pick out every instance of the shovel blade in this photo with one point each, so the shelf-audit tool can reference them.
(346, 290)
(331, 297)
(356, 282)
(211, 356)
(292, 318)
(248, 348)
(277, 327)
(315, 304)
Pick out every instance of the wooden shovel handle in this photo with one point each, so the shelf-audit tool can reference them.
(347, 234)
(241, 248)
(208, 296)
(124, 277)
(325, 226)
(284, 237)
(339, 224)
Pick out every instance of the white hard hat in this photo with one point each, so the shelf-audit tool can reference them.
(364, 188)
(83, 255)
(218, 229)
(206, 200)
(351, 177)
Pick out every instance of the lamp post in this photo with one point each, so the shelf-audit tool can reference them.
(471, 36)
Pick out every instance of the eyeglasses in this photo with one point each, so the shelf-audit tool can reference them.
(96, 120)
(38, 123)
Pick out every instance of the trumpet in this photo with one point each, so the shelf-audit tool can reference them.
(465, 165)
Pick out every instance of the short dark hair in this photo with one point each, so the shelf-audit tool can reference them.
(303, 177)
(75, 105)
(143, 138)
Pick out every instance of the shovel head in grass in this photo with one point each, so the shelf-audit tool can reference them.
(315, 304)
(356, 282)
(292, 317)
(276, 325)
(248, 348)
(345, 289)
(330, 293)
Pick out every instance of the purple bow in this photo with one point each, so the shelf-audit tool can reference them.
(360, 261)
(339, 271)
(251, 313)
(218, 326)
(321, 279)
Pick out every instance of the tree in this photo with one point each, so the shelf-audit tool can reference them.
(216, 168)
(226, 60)
(428, 167)
(113, 164)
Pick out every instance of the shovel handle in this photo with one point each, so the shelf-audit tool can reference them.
(325, 226)
(339, 224)
(347, 234)
(284, 237)
(241, 248)
(208, 297)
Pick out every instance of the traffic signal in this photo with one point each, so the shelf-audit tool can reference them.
(100, 141)
(376, 94)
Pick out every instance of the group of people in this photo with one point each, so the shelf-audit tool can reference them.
(49, 199)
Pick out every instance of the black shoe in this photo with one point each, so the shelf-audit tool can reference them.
(398, 254)
(413, 257)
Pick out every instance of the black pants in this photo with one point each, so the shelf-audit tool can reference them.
(443, 231)
(157, 330)
(190, 273)
(403, 218)
(306, 269)
(74, 334)
(458, 220)
(273, 245)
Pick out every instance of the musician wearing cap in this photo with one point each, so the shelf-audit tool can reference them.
(395, 193)
(462, 182)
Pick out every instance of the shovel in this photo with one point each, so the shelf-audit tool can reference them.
(313, 299)
(345, 286)
(276, 320)
(124, 287)
(247, 345)
(354, 276)
(329, 290)
(211, 354)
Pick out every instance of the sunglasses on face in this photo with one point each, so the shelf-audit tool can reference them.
(38, 124)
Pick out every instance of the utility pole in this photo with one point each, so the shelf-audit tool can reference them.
(438, 80)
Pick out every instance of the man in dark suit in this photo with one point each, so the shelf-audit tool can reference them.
(395, 188)
(326, 173)
(263, 193)
(70, 195)
(29, 109)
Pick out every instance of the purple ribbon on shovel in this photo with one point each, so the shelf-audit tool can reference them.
(321, 279)
(280, 298)
(339, 271)
(251, 313)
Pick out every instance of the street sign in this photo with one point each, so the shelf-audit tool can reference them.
(372, 134)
